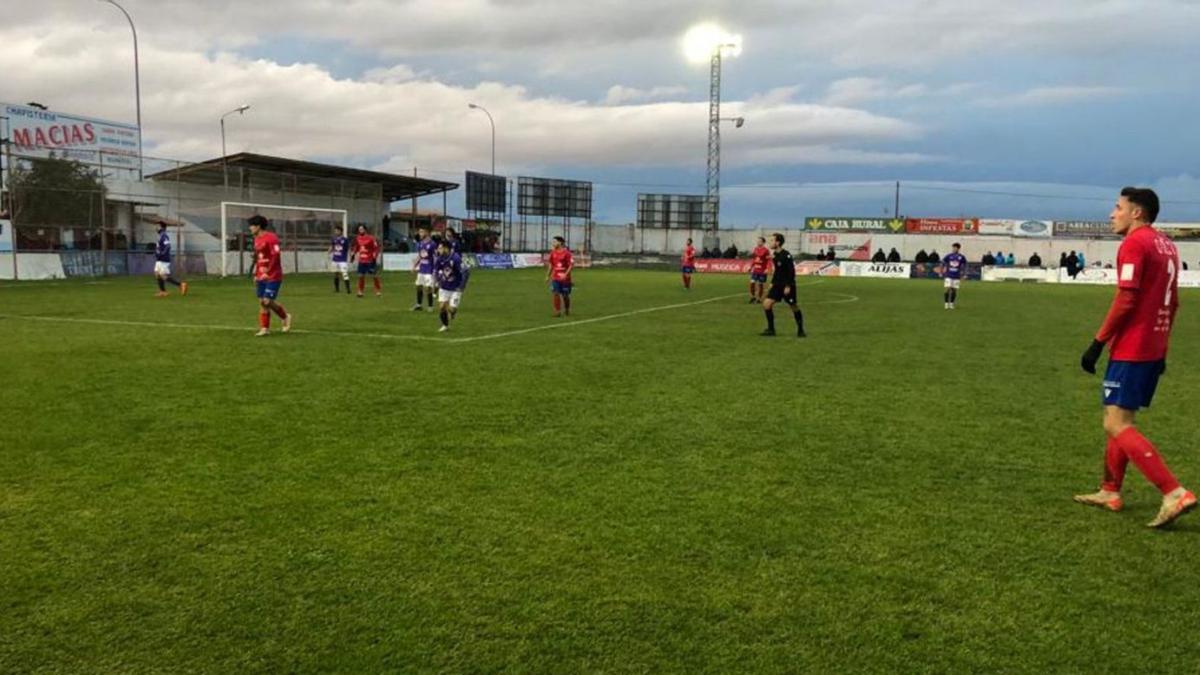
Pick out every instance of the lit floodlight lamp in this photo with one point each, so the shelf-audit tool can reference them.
(702, 40)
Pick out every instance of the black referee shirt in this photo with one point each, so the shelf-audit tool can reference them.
(785, 269)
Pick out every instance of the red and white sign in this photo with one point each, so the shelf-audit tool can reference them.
(941, 225)
(37, 133)
(810, 268)
(724, 265)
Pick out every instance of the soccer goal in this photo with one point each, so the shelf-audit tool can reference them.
(304, 234)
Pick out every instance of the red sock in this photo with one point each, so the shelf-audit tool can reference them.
(264, 319)
(557, 304)
(1145, 457)
(362, 283)
(280, 311)
(1115, 461)
(378, 287)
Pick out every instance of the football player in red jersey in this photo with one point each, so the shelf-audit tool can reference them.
(758, 271)
(687, 265)
(559, 264)
(268, 275)
(1137, 331)
(367, 249)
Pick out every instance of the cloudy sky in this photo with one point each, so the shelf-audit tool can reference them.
(1021, 108)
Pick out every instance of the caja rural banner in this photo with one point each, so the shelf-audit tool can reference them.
(941, 225)
(848, 224)
(494, 261)
(37, 133)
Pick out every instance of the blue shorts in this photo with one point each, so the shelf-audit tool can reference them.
(758, 278)
(267, 289)
(688, 269)
(366, 268)
(560, 287)
(1131, 384)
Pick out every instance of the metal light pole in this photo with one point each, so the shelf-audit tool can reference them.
(472, 106)
(241, 109)
(137, 82)
(712, 191)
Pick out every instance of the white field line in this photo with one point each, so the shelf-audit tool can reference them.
(391, 336)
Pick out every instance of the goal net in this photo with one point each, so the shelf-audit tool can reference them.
(304, 235)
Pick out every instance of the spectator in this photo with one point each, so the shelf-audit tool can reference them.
(999, 257)
(1035, 260)
(731, 252)
(820, 254)
(894, 255)
(1062, 259)
(988, 259)
(922, 257)
(1072, 264)
(832, 255)
(934, 258)
(1011, 260)
(1184, 266)
(1082, 264)
(880, 256)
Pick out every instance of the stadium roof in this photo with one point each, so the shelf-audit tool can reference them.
(306, 175)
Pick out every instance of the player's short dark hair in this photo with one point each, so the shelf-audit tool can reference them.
(778, 236)
(560, 240)
(958, 245)
(689, 240)
(259, 221)
(361, 226)
(763, 239)
(1144, 198)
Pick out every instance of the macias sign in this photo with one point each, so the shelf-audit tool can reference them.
(37, 133)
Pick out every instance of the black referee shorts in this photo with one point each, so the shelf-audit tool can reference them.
(778, 294)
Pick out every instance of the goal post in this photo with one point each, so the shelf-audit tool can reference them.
(303, 232)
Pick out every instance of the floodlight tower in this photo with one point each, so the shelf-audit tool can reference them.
(708, 42)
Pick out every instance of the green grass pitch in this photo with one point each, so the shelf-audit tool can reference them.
(660, 491)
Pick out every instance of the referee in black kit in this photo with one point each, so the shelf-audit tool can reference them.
(783, 287)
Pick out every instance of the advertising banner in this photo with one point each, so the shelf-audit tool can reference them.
(934, 271)
(524, 260)
(991, 273)
(494, 261)
(1033, 228)
(1189, 279)
(37, 133)
(847, 224)
(994, 226)
(6, 236)
(724, 265)
(817, 268)
(1089, 275)
(876, 270)
(941, 225)
(1179, 230)
(1082, 228)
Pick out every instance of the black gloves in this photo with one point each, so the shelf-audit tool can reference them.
(1091, 356)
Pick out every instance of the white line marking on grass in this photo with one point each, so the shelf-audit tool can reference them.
(597, 319)
(194, 326)
(847, 298)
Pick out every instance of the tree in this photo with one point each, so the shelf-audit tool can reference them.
(56, 192)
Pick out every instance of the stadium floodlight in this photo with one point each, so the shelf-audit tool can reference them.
(473, 106)
(737, 121)
(137, 81)
(702, 40)
(241, 110)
